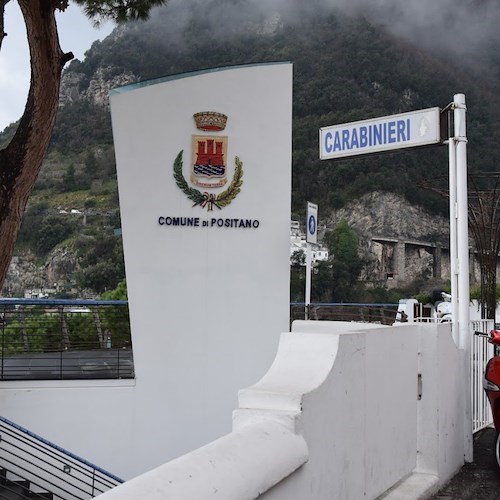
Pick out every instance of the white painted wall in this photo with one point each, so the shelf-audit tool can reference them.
(440, 411)
(350, 392)
(361, 422)
(206, 303)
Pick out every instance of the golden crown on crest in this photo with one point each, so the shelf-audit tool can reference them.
(210, 120)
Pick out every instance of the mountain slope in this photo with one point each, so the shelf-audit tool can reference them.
(346, 68)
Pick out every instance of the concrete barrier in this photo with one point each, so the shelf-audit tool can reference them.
(346, 411)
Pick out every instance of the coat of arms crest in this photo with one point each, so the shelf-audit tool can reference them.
(209, 167)
(208, 164)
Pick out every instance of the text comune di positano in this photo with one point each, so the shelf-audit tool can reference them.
(212, 222)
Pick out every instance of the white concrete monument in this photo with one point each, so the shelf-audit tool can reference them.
(204, 172)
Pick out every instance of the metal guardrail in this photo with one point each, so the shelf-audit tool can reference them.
(47, 466)
(63, 339)
(481, 352)
(382, 314)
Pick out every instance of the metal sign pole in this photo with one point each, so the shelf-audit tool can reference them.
(308, 280)
(453, 236)
(311, 237)
(464, 333)
(462, 222)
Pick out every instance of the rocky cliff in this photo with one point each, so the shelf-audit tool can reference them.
(399, 242)
(28, 276)
(389, 215)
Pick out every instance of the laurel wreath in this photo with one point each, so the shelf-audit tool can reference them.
(209, 199)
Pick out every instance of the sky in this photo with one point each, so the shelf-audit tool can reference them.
(76, 35)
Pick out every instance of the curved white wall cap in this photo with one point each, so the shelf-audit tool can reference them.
(241, 465)
(302, 364)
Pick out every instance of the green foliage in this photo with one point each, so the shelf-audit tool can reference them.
(116, 324)
(119, 293)
(298, 258)
(43, 232)
(343, 244)
(322, 283)
(336, 280)
(475, 292)
(297, 283)
(81, 125)
(7, 134)
(52, 230)
(90, 203)
(36, 333)
(423, 298)
(35, 330)
(82, 330)
(118, 10)
(99, 276)
(69, 181)
(101, 261)
(380, 295)
(91, 165)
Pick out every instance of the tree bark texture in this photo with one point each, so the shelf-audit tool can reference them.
(21, 160)
(3, 3)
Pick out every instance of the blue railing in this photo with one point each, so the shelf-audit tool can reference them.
(45, 466)
(44, 339)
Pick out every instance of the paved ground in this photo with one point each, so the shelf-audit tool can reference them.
(479, 480)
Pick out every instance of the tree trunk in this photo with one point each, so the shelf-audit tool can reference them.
(488, 288)
(3, 3)
(21, 160)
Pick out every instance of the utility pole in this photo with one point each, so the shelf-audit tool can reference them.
(459, 256)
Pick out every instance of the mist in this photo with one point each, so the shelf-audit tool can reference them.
(458, 27)
(464, 31)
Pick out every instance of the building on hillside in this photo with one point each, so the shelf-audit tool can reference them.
(298, 243)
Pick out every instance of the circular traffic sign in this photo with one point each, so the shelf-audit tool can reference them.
(311, 224)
